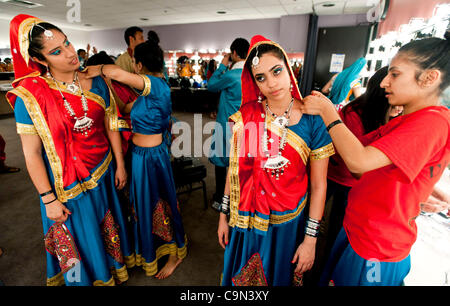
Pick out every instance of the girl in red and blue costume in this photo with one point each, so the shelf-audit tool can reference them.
(399, 168)
(73, 167)
(268, 182)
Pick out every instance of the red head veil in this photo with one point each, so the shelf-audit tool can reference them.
(24, 67)
(249, 88)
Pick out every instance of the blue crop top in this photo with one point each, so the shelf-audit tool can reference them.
(151, 114)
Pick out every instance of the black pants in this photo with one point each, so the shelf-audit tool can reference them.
(221, 176)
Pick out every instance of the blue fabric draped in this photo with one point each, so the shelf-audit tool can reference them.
(152, 181)
(342, 83)
(84, 225)
(276, 250)
(346, 268)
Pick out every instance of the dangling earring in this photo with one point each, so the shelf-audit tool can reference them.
(259, 98)
(292, 87)
(47, 74)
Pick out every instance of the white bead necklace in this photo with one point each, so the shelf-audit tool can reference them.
(82, 124)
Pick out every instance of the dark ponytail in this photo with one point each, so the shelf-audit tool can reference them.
(150, 55)
(36, 39)
(431, 53)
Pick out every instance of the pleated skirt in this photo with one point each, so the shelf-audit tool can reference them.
(92, 247)
(156, 218)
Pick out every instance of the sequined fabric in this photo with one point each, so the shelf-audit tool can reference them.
(162, 224)
(110, 233)
(252, 274)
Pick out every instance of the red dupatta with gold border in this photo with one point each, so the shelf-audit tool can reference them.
(77, 163)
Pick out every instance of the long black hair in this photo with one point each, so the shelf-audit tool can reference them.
(37, 41)
(373, 105)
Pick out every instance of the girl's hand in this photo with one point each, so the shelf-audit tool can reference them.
(223, 230)
(93, 71)
(120, 177)
(316, 104)
(57, 212)
(304, 256)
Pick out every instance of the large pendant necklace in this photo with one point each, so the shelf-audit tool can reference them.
(82, 124)
(276, 164)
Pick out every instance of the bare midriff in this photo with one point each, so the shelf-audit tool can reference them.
(148, 141)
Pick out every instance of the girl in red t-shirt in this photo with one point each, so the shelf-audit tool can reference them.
(362, 116)
(400, 167)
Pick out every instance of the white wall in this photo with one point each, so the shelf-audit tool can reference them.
(77, 37)
(289, 31)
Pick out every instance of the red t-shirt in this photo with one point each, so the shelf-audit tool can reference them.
(382, 207)
(337, 170)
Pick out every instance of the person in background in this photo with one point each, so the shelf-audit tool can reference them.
(211, 68)
(9, 67)
(345, 86)
(184, 68)
(226, 80)
(133, 36)
(152, 35)
(3, 167)
(400, 167)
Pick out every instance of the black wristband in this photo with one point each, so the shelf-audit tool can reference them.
(333, 124)
(51, 201)
(46, 193)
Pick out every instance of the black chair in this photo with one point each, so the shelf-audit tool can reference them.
(186, 172)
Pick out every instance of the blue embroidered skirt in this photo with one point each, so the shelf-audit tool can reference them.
(255, 259)
(346, 268)
(92, 246)
(158, 228)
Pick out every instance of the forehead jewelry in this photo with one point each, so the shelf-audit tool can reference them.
(47, 33)
(255, 60)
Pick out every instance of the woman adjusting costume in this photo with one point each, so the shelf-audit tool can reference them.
(74, 122)
(266, 192)
(158, 227)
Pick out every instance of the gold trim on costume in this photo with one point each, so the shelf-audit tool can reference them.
(323, 152)
(292, 139)
(26, 129)
(151, 268)
(123, 124)
(90, 95)
(147, 85)
(57, 280)
(23, 36)
(44, 133)
(235, 189)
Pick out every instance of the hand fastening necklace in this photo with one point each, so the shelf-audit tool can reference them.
(276, 164)
(82, 124)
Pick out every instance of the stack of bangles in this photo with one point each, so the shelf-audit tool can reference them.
(312, 227)
(47, 193)
(225, 206)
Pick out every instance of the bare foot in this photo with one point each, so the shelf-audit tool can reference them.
(169, 267)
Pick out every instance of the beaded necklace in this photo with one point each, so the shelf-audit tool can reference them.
(276, 164)
(82, 124)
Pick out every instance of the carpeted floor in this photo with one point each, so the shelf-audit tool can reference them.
(21, 233)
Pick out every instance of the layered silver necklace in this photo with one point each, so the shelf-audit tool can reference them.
(276, 164)
(82, 124)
